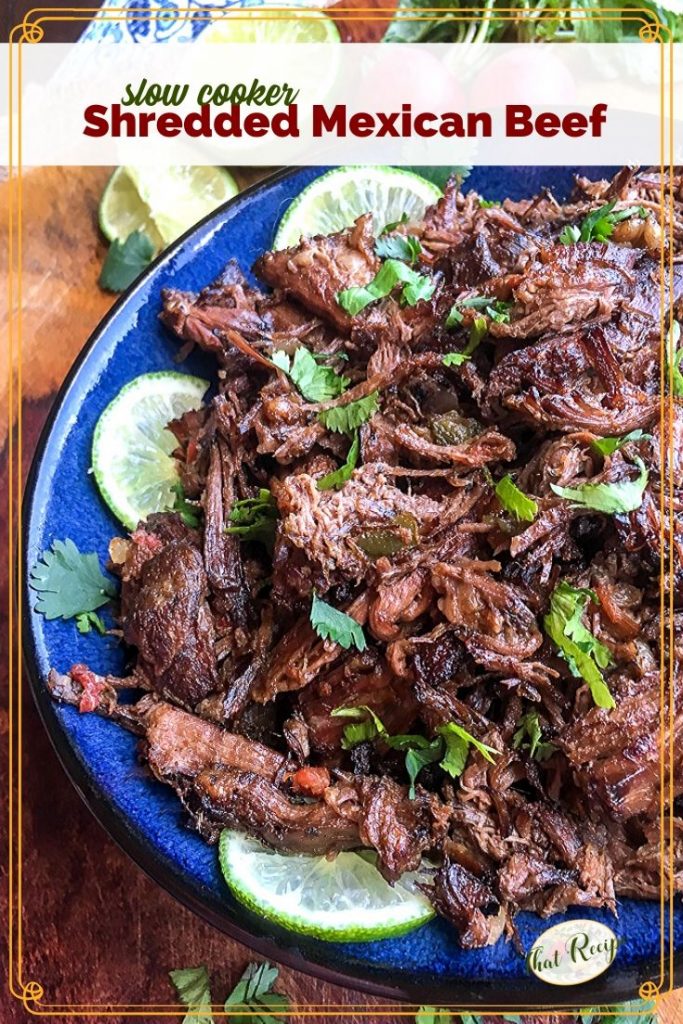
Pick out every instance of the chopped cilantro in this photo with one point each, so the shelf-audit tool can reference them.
(399, 247)
(392, 273)
(514, 501)
(254, 994)
(611, 498)
(69, 583)
(331, 624)
(125, 261)
(583, 652)
(255, 519)
(194, 990)
(87, 621)
(610, 445)
(338, 477)
(530, 735)
(344, 419)
(315, 382)
(599, 225)
(458, 742)
(189, 513)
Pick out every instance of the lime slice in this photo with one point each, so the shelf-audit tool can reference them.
(131, 448)
(334, 200)
(279, 27)
(161, 201)
(340, 898)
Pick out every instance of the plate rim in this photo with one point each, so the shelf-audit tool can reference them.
(280, 947)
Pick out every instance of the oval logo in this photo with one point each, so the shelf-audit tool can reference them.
(573, 952)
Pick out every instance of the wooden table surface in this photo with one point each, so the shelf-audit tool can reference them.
(95, 928)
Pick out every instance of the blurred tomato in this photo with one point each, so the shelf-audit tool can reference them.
(539, 79)
(410, 75)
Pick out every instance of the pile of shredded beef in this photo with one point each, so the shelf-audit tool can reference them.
(450, 588)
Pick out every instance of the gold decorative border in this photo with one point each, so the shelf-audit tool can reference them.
(30, 31)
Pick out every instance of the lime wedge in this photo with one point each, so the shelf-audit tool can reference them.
(161, 201)
(279, 27)
(340, 898)
(131, 449)
(334, 200)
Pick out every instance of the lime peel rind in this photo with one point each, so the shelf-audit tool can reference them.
(409, 913)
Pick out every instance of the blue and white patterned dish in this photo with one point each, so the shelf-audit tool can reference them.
(144, 816)
(163, 20)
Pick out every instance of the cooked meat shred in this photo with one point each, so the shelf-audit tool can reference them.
(531, 793)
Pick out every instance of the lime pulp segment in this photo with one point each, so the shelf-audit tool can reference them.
(339, 898)
(131, 452)
(334, 200)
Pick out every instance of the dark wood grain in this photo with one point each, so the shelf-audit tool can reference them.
(95, 928)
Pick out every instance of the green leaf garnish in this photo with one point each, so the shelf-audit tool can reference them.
(619, 497)
(255, 519)
(254, 994)
(344, 419)
(194, 990)
(398, 247)
(674, 358)
(432, 1015)
(458, 742)
(455, 358)
(125, 261)
(315, 382)
(392, 273)
(338, 477)
(393, 224)
(419, 756)
(331, 624)
(610, 445)
(514, 501)
(599, 225)
(496, 309)
(486, 204)
(529, 734)
(69, 583)
(366, 726)
(189, 513)
(87, 621)
(583, 652)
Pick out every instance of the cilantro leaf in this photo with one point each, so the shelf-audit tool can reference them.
(455, 358)
(399, 247)
(615, 498)
(253, 993)
(583, 652)
(344, 419)
(432, 1015)
(514, 501)
(194, 990)
(189, 513)
(570, 234)
(418, 757)
(331, 624)
(610, 445)
(315, 382)
(392, 225)
(392, 273)
(530, 729)
(496, 309)
(367, 725)
(69, 583)
(458, 742)
(86, 621)
(486, 204)
(255, 519)
(338, 477)
(125, 261)
(599, 225)
(674, 358)
(454, 317)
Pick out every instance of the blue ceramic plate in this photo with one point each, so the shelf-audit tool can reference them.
(145, 817)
